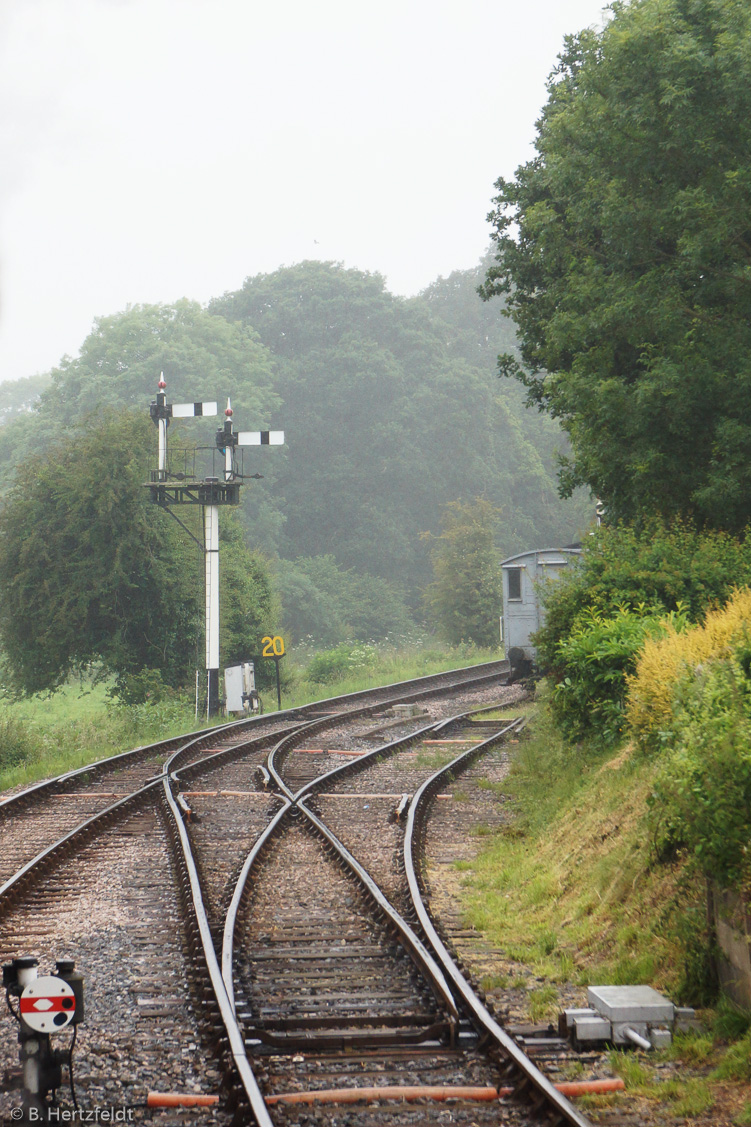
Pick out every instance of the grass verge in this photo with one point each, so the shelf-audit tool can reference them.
(44, 736)
(570, 887)
(571, 892)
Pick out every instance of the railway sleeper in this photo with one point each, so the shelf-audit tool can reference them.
(342, 1039)
(336, 1022)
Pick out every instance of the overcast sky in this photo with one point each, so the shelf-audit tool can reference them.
(156, 149)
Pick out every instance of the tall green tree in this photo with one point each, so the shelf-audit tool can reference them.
(202, 357)
(624, 251)
(476, 331)
(91, 573)
(20, 397)
(391, 406)
(248, 603)
(466, 595)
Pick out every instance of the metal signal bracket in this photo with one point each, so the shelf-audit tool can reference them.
(207, 492)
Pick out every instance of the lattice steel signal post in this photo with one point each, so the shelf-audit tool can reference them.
(171, 490)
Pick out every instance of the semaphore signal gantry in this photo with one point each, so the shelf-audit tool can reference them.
(173, 489)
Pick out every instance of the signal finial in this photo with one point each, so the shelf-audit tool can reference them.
(228, 409)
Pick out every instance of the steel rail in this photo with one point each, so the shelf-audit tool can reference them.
(517, 1059)
(486, 671)
(369, 757)
(230, 919)
(169, 775)
(414, 946)
(193, 744)
(286, 745)
(421, 956)
(226, 1009)
(101, 766)
(417, 951)
(196, 766)
(57, 850)
(58, 847)
(298, 800)
(272, 828)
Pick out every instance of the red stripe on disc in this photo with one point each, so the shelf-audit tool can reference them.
(28, 1005)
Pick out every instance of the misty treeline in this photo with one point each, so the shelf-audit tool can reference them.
(392, 409)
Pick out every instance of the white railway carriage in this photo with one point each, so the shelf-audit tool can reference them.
(522, 610)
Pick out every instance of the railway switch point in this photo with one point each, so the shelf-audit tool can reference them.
(45, 1005)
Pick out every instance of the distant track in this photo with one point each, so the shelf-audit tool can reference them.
(34, 819)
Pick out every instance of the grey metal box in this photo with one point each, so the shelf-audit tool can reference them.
(592, 1028)
(631, 1003)
(573, 1013)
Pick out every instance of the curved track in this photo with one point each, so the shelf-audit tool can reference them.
(33, 819)
(307, 944)
(211, 823)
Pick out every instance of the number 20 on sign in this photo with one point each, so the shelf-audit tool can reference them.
(272, 647)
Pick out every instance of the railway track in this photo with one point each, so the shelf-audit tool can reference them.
(196, 825)
(307, 917)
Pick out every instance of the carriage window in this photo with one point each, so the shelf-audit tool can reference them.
(514, 583)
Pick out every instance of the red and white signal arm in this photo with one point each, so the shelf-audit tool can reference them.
(47, 1004)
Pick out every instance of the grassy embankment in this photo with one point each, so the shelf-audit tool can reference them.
(572, 889)
(568, 885)
(45, 736)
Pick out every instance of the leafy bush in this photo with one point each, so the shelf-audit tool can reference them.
(335, 664)
(594, 661)
(702, 792)
(467, 589)
(687, 922)
(731, 1021)
(659, 567)
(138, 688)
(665, 660)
